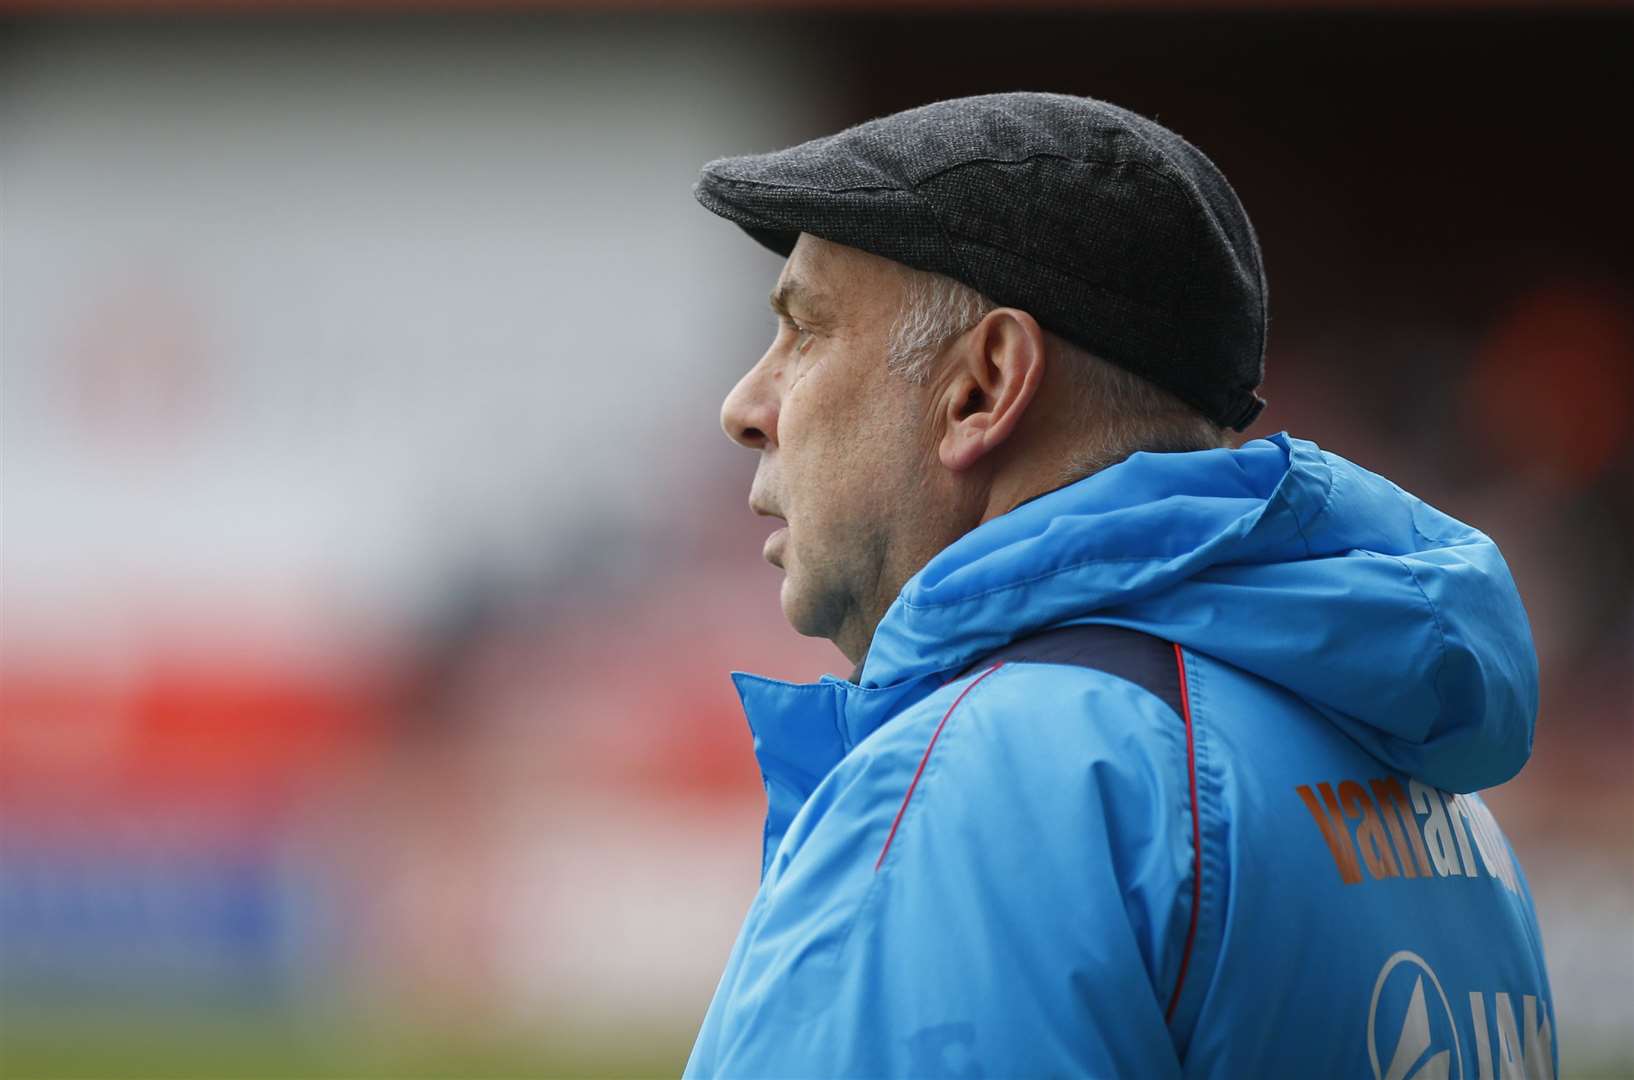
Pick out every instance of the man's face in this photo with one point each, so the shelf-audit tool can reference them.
(844, 457)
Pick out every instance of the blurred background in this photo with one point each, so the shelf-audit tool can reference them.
(373, 561)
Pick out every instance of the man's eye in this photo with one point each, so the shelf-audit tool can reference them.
(803, 337)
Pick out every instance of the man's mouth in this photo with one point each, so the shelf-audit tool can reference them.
(773, 551)
(775, 543)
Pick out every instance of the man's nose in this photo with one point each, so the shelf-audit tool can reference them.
(749, 413)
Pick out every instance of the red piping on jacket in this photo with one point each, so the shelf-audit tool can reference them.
(928, 748)
(1196, 837)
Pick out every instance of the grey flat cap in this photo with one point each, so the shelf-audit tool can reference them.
(1111, 230)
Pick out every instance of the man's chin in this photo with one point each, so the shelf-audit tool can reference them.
(788, 597)
(798, 609)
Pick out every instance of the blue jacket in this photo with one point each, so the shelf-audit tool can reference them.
(1030, 869)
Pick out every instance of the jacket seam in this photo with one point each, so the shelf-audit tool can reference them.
(1213, 890)
(1435, 620)
(1194, 810)
(924, 760)
(1440, 632)
(869, 897)
(1035, 578)
(1329, 487)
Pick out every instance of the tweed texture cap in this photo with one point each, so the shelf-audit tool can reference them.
(1109, 229)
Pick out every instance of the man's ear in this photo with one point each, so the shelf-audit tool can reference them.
(994, 374)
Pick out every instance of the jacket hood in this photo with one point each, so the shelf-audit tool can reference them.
(1398, 623)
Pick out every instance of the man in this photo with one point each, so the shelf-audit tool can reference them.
(1148, 766)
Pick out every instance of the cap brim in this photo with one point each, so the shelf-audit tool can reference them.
(718, 198)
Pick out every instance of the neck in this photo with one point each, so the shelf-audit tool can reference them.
(1008, 492)
(997, 497)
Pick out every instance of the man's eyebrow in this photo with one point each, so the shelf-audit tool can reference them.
(796, 293)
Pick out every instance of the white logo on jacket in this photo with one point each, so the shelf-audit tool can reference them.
(1412, 1031)
(1420, 1035)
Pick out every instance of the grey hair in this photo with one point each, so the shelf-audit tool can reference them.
(935, 310)
(1122, 412)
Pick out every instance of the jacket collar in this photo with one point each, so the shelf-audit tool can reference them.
(802, 730)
